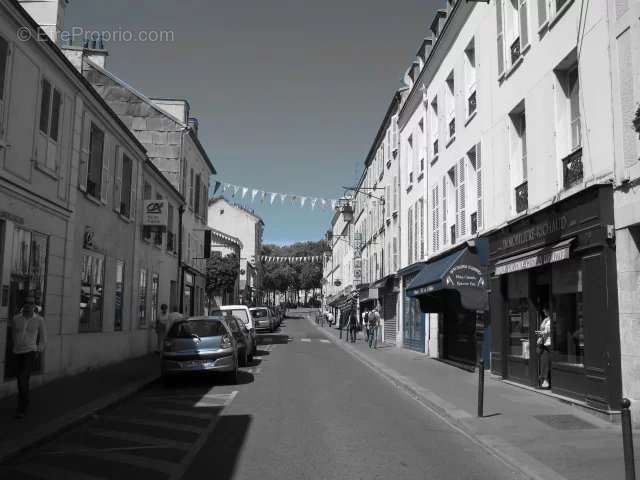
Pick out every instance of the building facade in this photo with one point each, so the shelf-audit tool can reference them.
(248, 228)
(223, 244)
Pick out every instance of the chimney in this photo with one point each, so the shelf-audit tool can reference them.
(94, 50)
(49, 14)
(438, 22)
(194, 123)
(176, 107)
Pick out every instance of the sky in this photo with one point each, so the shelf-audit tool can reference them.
(289, 94)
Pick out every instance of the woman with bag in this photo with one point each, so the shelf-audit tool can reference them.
(544, 347)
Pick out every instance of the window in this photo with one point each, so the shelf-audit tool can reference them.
(547, 9)
(91, 292)
(518, 158)
(450, 97)
(395, 254)
(567, 316)
(157, 237)
(96, 150)
(573, 93)
(568, 128)
(410, 235)
(396, 192)
(410, 158)
(420, 226)
(171, 241)
(4, 57)
(198, 197)
(435, 128)
(155, 284)
(119, 303)
(142, 298)
(191, 189)
(50, 103)
(453, 205)
(435, 221)
(473, 188)
(470, 77)
(146, 195)
(513, 32)
(184, 177)
(125, 194)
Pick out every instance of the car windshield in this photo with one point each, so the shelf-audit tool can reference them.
(259, 313)
(240, 315)
(201, 328)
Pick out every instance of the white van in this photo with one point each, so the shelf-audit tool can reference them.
(242, 312)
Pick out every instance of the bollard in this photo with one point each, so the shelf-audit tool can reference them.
(627, 441)
(481, 388)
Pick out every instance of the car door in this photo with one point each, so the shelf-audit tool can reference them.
(236, 331)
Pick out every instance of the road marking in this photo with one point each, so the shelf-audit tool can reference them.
(180, 413)
(324, 340)
(137, 437)
(204, 436)
(162, 466)
(154, 423)
(305, 340)
(47, 472)
(194, 396)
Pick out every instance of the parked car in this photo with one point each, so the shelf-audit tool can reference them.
(199, 344)
(242, 312)
(263, 319)
(242, 335)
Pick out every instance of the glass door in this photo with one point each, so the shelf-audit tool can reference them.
(520, 351)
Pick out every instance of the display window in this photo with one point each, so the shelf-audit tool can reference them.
(568, 321)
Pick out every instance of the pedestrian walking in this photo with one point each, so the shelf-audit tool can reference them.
(353, 326)
(365, 322)
(29, 335)
(162, 326)
(374, 322)
(544, 345)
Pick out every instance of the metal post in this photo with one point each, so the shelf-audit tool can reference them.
(627, 441)
(481, 388)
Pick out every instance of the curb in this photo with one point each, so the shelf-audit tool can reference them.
(514, 458)
(70, 419)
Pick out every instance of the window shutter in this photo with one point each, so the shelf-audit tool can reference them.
(524, 24)
(106, 158)
(410, 235)
(134, 189)
(479, 185)
(542, 12)
(444, 210)
(462, 221)
(456, 217)
(83, 170)
(434, 219)
(500, 39)
(422, 228)
(117, 184)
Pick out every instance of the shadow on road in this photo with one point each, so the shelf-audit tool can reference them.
(203, 381)
(220, 454)
(275, 338)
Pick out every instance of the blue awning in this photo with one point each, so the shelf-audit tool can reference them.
(458, 277)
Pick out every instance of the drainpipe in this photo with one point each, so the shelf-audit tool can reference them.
(180, 270)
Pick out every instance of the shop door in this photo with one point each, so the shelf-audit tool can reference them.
(459, 336)
(413, 325)
(520, 346)
(390, 304)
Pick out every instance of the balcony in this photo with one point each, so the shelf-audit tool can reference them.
(515, 50)
(572, 168)
(452, 128)
(522, 197)
(471, 104)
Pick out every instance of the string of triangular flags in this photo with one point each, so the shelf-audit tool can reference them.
(240, 192)
(268, 258)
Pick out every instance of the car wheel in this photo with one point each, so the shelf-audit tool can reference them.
(233, 376)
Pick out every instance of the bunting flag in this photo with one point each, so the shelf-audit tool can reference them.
(271, 259)
(239, 191)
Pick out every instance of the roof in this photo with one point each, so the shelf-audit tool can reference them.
(163, 179)
(226, 237)
(237, 206)
(44, 40)
(158, 109)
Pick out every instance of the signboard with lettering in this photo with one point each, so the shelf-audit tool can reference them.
(155, 214)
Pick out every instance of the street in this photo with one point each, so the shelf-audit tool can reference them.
(304, 409)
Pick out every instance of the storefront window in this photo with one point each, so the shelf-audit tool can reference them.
(117, 323)
(142, 299)
(518, 315)
(91, 291)
(155, 282)
(568, 319)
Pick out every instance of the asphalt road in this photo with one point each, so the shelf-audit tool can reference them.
(305, 409)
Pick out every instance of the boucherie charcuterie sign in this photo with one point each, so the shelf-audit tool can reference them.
(155, 213)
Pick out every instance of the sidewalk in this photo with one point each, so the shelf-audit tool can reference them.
(541, 436)
(63, 402)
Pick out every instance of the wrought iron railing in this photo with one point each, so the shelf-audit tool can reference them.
(472, 103)
(435, 147)
(515, 50)
(474, 223)
(522, 197)
(572, 171)
(452, 127)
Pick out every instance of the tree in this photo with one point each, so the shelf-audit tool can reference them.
(222, 273)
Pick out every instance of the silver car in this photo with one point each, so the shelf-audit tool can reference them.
(200, 344)
(262, 319)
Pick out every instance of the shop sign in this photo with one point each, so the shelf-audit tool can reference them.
(155, 213)
(536, 233)
(534, 261)
(357, 271)
(464, 276)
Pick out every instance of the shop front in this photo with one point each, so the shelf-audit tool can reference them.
(454, 287)
(388, 290)
(414, 322)
(367, 298)
(559, 264)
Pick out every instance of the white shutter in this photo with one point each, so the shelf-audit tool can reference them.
(106, 159)
(85, 146)
(434, 219)
(479, 185)
(134, 189)
(542, 12)
(462, 221)
(422, 228)
(409, 235)
(500, 39)
(444, 210)
(524, 24)
(457, 202)
(117, 184)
